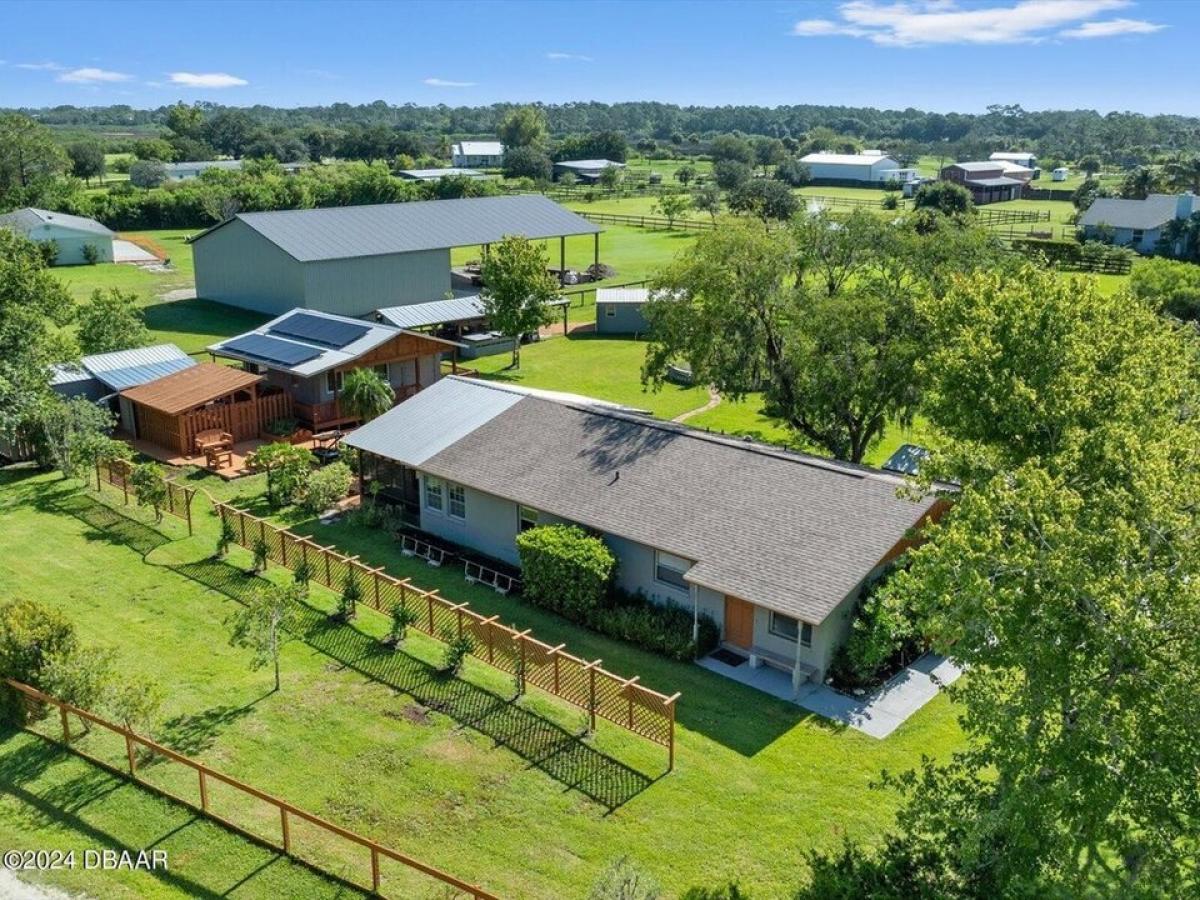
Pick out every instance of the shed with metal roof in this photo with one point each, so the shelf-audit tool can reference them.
(102, 374)
(75, 238)
(352, 260)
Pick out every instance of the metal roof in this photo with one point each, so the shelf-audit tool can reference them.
(346, 232)
(192, 387)
(457, 406)
(1012, 168)
(478, 148)
(789, 532)
(125, 368)
(588, 164)
(977, 166)
(436, 312)
(200, 165)
(29, 218)
(435, 174)
(1013, 157)
(635, 296)
(1153, 212)
(907, 459)
(1002, 181)
(846, 159)
(272, 346)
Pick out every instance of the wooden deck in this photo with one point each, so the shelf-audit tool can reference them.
(236, 469)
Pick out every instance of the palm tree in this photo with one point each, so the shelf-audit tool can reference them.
(1140, 183)
(1183, 173)
(366, 394)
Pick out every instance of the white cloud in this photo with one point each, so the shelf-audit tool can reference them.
(206, 79)
(41, 67)
(442, 82)
(90, 75)
(1112, 28)
(914, 23)
(558, 54)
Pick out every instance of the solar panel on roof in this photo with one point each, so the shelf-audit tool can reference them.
(272, 350)
(329, 332)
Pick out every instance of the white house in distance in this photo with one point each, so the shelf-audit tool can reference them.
(1028, 160)
(69, 234)
(868, 168)
(1136, 224)
(477, 155)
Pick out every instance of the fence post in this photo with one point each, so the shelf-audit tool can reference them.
(429, 602)
(125, 487)
(374, 869)
(203, 792)
(328, 576)
(242, 525)
(287, 832)
(66, 725)
(283, 542)
(629, 693)
(129, 754)
(190, 495)
(97, 476)
(521, 679)
(671, 736)
(376, 580)
(592, 695)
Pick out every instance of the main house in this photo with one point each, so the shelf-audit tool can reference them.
(477, 154)
(307, 355)
(864, 168)
(352, 260)
(987, 181)
(1137, 224)
(777, 547)
(70, 235)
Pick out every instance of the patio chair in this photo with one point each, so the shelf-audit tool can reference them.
(212, 439)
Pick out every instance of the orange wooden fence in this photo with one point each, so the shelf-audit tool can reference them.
(287, 811)
(179, 498)
(622, 701)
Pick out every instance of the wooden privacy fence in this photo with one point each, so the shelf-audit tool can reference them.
(117, 473)
(287, 812)
(988, 217)
(622, 701)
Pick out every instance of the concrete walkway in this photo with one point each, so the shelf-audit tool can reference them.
(878, 713)
(129, 252)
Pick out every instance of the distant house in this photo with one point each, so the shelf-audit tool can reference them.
(986, 181)
(182, 171)
(477, 154)
(353, 260)
(867, 168)
(776, 546)
(69, 234)
(585, 169)
(307, 354)
(436, 174)
(1137, 224)
(1028, 160)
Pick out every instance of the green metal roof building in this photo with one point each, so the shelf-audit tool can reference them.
(351, 260)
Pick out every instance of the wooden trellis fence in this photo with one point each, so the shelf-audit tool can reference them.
(179, 498)
(604, 695)
(287, 812)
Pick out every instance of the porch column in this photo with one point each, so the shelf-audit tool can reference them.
(796, 679)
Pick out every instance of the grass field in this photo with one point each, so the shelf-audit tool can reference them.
(506, 794)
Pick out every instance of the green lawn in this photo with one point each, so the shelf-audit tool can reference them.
(148, 284)
(445, 770)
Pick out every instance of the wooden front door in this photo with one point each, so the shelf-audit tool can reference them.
(739, 622)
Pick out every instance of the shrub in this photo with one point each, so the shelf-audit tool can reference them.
(883, 639)
(49, 252)
(402, 617)
(31, 637)
(665, 629)
(91, 255)
(566, 569)
(351, 594)
(282, 427)
(891, 201)
(458, 648)
(324, 487)
(261, 552)
(150, 487)
(226, 539)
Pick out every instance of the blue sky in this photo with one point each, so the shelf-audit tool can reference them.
(931, 54)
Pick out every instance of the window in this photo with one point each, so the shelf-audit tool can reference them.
(527, 517)
(433, 493)
(333, 381)
(382, 371)
(806, 634)
(784, 626)
(1137, 236)
(669, 569)
(456, 494)
(610, 311)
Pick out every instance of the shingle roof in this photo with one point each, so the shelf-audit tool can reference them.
(435, 312)
(1153, 212)
(344, 232)
(188, 388)
(126, 368)
(27, 219)
(793, 533)
(323, 356)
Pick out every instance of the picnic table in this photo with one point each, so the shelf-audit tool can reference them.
(213, 439)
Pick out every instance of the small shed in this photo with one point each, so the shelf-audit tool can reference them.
(619, 310)
(1062, 173)
(171, 410)
(70, 235)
